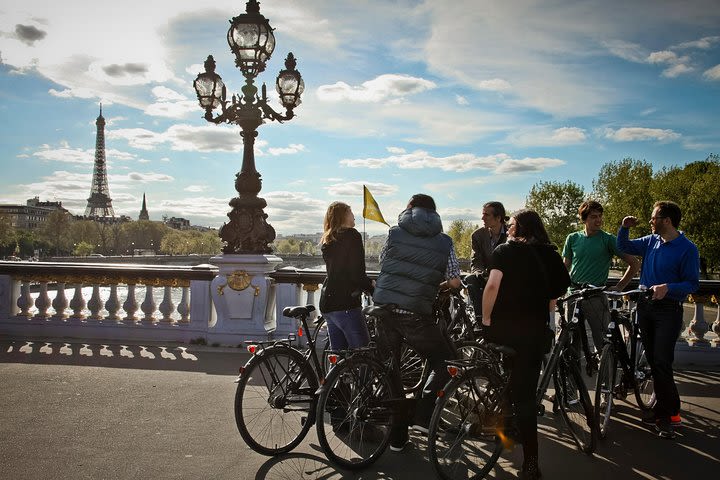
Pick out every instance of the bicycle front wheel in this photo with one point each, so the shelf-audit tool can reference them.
(412, 369)
(463, 441)
(275, 400)
(574, 403)
(604, 388)
(644, 386)
(354, 412)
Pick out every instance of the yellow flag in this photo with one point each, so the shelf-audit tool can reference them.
(371, 211)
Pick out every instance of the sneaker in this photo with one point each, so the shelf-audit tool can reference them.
(649, 418)
(676, 420)
(400, 447)
(664, 429)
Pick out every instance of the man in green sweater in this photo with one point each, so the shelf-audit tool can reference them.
(587, 255)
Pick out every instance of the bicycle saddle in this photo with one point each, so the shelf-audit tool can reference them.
(298, 311)
(378, 311)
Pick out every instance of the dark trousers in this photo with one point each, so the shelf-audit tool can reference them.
(523, 384)
(427, 338)
(660, 326)
(475, 285)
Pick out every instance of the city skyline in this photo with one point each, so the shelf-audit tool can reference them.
(468, 101)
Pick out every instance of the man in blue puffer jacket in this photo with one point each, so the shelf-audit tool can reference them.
(416, 261)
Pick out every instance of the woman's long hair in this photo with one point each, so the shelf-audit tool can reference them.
(529, 227)
(334, 219)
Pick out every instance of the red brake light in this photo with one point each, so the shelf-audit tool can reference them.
(452, 370)
(252, 349)
(300, 332)
(332, 358)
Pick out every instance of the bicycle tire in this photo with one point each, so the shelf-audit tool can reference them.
(604, 388)
(643, 385)
(462, 439)
(574, 404)
(321, 338)
(354, 417)
(275, 400)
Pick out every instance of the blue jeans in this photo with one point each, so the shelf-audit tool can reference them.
(347, 329)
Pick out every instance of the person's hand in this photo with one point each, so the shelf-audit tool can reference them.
(629, 222)
(659, 291)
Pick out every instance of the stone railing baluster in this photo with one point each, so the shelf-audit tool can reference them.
(43, 301)
(60, 302)
(77, 303)
(311, 288)
(130, 305)
(166, 306)
(25, 300)
(148, 305)
(183, 307)
(715, 327)
(95, 304)
(698, 326)
(112, 305)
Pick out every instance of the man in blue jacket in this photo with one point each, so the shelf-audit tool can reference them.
(671, 269)
(415, 262)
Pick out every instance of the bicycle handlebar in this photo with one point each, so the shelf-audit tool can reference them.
(638, 293)
(583, 293)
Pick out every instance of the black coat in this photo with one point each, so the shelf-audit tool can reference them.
(345, 266)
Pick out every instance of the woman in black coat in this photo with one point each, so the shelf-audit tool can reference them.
(527, 275)
(344, 255)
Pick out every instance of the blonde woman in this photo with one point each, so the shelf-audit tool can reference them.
(344, 256)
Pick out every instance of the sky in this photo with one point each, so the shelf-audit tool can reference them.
(466, 100)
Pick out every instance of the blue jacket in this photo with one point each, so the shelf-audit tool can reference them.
(415, 262)
(676, 263)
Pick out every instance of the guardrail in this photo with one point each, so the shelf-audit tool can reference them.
(174, 303)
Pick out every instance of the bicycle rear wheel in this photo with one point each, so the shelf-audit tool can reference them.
(463, 442)
(412, 369)
(604, 388)
(643, 386)
(275, 400)
(574, 403)
(354, 412)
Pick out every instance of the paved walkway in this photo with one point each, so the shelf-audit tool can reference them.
(120, 412)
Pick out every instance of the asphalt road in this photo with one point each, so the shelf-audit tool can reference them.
(166, 412)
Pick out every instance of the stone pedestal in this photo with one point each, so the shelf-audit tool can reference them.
(242, 295)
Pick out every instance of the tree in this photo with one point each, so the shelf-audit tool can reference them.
(461, 232)
(56, 231)
(83, 249)
(7, 235)
(557, 204)
(624, 188)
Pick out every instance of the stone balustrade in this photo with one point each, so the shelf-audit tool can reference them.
(174, 303)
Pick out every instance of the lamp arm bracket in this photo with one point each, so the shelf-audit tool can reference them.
(273, 115)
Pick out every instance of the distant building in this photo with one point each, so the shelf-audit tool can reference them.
(177, 223)
(313, 238)
(31, 215)
(144, 215)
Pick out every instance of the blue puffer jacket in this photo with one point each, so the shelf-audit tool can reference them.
(415, 262)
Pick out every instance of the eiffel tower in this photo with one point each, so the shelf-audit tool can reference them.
(99, 204)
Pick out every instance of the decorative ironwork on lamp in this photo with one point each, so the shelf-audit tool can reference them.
(252, 41)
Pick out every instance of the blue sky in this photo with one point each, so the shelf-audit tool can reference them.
(467, 100)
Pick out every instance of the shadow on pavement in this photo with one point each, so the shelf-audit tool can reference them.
(146, 357)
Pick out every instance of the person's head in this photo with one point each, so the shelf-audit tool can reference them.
(339, 216)
(493, 215)
(591, 215)
(423, 201)
(666, 215)
(527, 226)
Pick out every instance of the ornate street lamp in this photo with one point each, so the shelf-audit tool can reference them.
(252, 41)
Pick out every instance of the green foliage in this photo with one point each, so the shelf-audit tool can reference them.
(55, 231)
(185, 242)
(83, 249)
(7, 232)
(461, 231)
(557, 205)
(625, 188)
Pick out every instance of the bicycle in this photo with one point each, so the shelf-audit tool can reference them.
(276, 394)
(623, 364)
(467, 433)
(358, 402)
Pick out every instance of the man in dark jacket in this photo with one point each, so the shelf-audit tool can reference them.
(484, 240)
(416, 261)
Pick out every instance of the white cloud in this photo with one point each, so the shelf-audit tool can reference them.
(631, 52)
(494, 85)
(664, 56)
(460, 100)
(396, 150)
(291, 149)
(704, 43)
(547, 137)
(196, 188)
(461, 162)
(164, 93)
(676, 70)
(382, 88)
(142, 177)
(712, 73)
(634, 134)
(355, 189)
